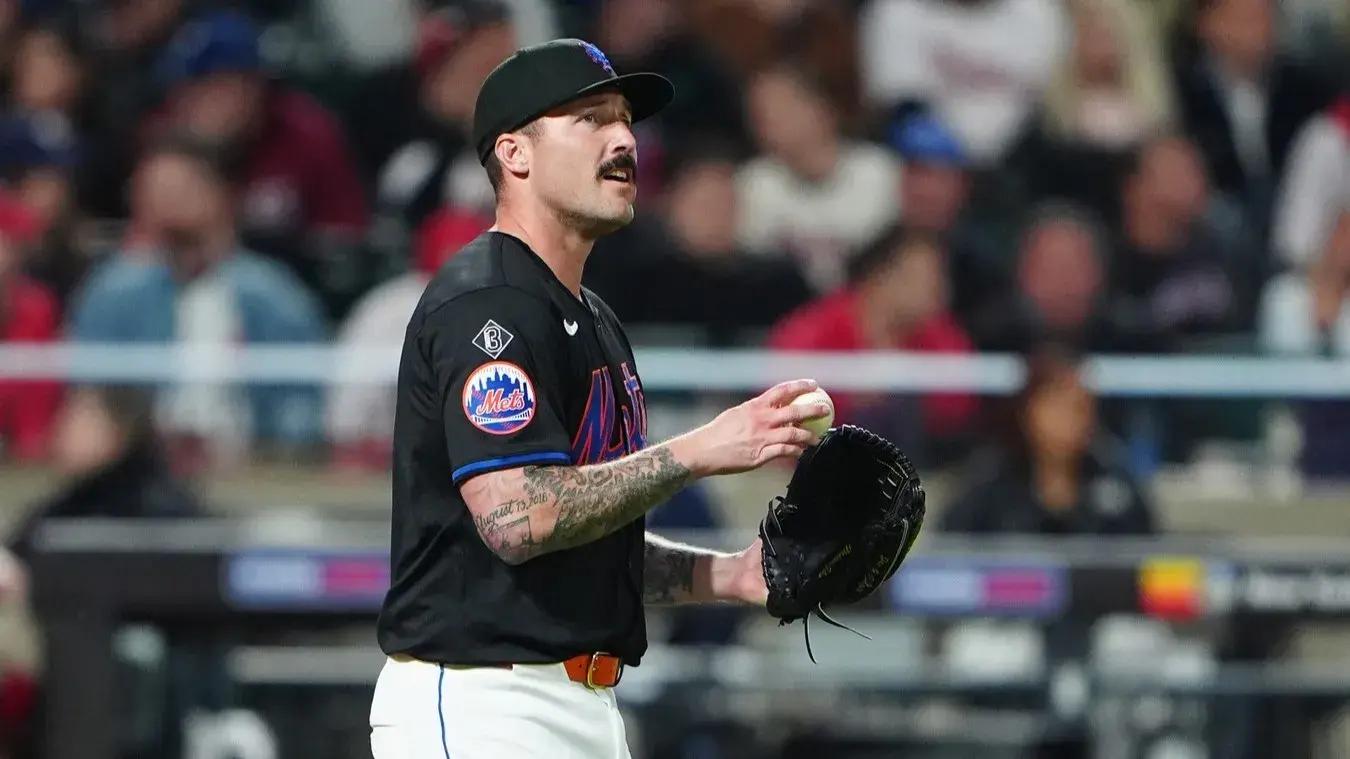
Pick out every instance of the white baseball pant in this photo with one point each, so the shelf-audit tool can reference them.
(426, 711)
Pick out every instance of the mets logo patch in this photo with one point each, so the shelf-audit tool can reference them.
(599, 57)
(499, 398)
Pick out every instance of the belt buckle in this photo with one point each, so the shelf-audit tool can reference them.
(590, 671)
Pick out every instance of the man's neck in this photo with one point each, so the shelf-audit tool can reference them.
(561, 246)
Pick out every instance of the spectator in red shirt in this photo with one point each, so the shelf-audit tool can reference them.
(302, 200)
(28, 314)
(897, 301)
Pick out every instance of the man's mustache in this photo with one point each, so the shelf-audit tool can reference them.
(622, 161)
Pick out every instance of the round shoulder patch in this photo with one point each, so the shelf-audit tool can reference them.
(499, 398)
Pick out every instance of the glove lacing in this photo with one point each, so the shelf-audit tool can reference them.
(819, 611)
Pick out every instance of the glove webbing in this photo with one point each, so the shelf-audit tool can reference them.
(819, 610)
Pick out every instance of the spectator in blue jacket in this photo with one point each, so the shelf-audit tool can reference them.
(184, 280)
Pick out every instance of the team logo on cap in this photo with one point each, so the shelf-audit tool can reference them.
(599, 57)
(499, 398)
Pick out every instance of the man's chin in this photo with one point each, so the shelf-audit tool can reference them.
(603, 225)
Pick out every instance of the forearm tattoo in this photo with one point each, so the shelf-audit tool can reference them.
(668, 572)
(554, 508)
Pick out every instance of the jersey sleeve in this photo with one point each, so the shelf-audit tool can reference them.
(496, 358)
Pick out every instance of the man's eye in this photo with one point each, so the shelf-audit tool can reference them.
(590, 118)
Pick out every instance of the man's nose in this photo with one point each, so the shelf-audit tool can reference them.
(624, 140)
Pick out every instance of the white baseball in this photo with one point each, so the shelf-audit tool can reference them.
(820, 424)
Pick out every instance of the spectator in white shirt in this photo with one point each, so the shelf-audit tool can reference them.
(1303, 309)
(982, 66)
(814, 193)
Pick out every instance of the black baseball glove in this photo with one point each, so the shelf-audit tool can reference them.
(853, 509)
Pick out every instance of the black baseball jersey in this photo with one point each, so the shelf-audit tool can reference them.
(504, 367)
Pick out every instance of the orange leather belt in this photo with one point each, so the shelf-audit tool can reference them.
(595, 670)
(599, 670)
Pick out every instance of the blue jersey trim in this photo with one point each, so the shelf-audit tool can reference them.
(506, 462)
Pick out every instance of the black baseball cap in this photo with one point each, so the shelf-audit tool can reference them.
(539, 78)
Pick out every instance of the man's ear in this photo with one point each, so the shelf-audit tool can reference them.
(513, 153)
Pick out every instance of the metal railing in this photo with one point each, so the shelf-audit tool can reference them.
(667, 369)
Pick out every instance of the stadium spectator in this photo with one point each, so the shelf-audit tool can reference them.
(1315, 190)
(413, 122)
(113, 466)
(1111, 93)
(301, 199)
(49, 69)
(195, 285)
(982, 66)
(1304, 306)
(39, 158)
(1243, 101)
(29, 314)
(935, 196)
(1113, 89)
(814, 194)
(113, 462)
(1183, 266)
(1051, 470)
(648, 271)
(935, 180)
(130, 36)
(1058, 294)
(360, 415)
(898, 302)
(1303, 311)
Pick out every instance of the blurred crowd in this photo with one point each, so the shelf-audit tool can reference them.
(1042, 177)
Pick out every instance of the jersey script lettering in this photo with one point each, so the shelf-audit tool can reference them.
(592, 444)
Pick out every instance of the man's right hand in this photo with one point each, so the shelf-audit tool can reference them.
(750, 435)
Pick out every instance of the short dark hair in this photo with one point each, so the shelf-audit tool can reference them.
(211, 156)
(881, 250)
(1056, 211)
(493, 167)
